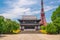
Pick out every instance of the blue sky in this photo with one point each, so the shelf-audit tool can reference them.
(14, 9)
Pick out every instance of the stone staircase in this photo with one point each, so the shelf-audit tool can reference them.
(29, 31)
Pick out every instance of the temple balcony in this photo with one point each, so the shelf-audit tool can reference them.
(29, 24)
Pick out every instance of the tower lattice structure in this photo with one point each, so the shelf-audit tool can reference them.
(43, 19)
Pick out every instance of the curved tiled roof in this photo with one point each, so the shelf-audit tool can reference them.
(29, 17)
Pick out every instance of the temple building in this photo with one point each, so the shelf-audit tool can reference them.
(29, 22)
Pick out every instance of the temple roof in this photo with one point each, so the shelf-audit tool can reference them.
(29, 17)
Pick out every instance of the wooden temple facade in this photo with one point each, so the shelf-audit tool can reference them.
(29, 22)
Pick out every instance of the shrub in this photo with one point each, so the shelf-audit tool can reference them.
(7, 25)
(16, 31)
(51, 29)
(43, 27)
(43, 31)
(2, 25)
(12, 25)
(57, 24)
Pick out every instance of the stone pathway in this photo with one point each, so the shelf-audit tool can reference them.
(29, 36)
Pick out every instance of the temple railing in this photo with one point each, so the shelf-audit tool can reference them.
(29, 24)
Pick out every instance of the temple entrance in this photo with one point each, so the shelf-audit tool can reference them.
(29, 27)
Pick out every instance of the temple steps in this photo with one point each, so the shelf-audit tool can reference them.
(29, 32)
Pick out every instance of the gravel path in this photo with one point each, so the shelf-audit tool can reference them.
(29, 37)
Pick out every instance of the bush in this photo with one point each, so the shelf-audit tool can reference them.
(16, 31)
(51, 29)
(7, 25)
(57, 24)
(43, 27)
(2, 24)
(43, 31)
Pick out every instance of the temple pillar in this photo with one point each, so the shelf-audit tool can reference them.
(36, 28)
(22, 28)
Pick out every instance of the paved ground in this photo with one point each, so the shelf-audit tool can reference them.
(29, 36)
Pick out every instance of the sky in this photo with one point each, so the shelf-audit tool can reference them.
(14, 9)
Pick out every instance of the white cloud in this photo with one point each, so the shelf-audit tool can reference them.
(18, 8)
(26, 2)
(16, 12)
(48, 8)
(53, 2)
(21, 3)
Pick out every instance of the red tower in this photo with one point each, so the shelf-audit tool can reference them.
(43, 19)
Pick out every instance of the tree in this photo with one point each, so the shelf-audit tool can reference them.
(56, 18)
(51, 28)
(1, 23)
(57, 24)
(11, 25)
(7, 25)
(56, 14)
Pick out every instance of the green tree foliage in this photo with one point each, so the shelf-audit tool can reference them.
(56, 18)
(57, 24)
(7, 25)
(56, 14)
(1, 23)
(51, 29)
